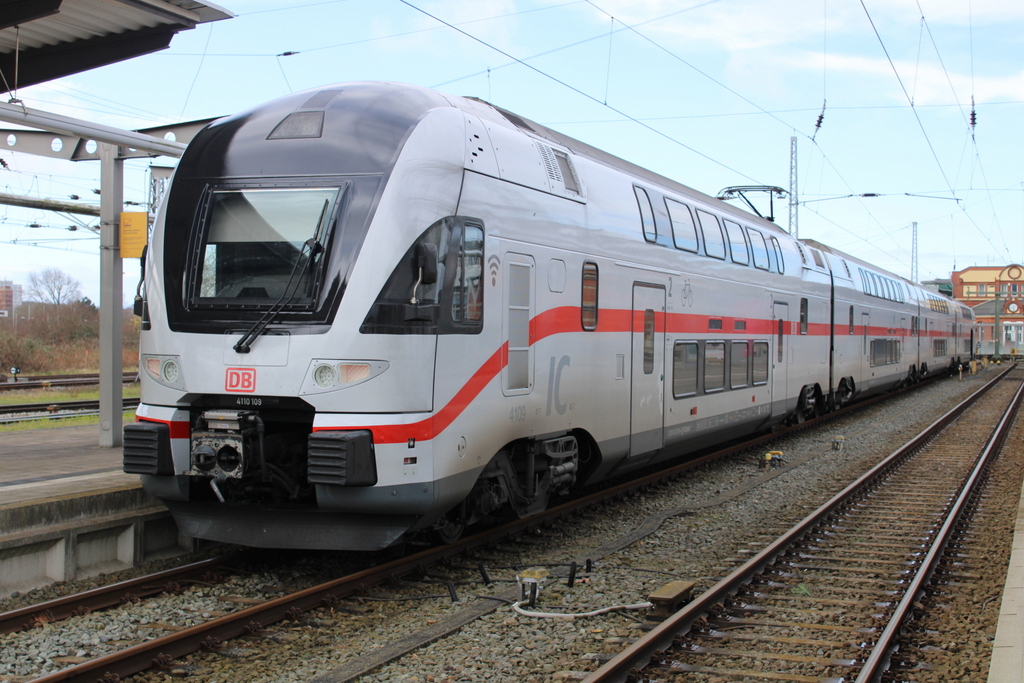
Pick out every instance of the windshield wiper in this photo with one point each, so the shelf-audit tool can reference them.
(245, 343)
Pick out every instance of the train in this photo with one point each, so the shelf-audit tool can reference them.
(372, 311)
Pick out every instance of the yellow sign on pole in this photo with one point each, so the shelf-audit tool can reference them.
(134, 233)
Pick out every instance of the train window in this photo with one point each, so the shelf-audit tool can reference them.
(738, 362)
(468, 285)
(588, 308)
(714, 366)
(938, 347)
(780, 334)
(646, 214)
(817, 258)
(714, 323)
(803, 316)
(263, 246)
(739, 325)
(864, 281)
(714, 243)
(851, 320)
(878, 352)
(865, 320)
(759, 248)
(519, 299)
(684, 232)
(737, 243)
(684, 369)
(778, 255)
(760, 363)
(568, 175)
(648, 341)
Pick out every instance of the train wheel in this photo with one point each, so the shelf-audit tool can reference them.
(807, 407)
(844, 392)
(450, 528)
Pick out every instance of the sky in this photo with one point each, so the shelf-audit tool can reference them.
(877, 93)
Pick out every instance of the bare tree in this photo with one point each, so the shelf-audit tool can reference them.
(54, 286)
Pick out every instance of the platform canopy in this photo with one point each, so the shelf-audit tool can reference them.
(41, 40)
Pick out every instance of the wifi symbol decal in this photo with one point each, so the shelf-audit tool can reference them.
(494, 265)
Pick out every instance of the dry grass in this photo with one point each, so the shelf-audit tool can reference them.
(129, 416)
(53, 394)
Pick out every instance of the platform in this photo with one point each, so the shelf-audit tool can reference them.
(67, 510)
(1008, 648)
(46, 463)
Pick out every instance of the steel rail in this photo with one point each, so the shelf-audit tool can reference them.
(50, 408)
(48, 381)
(210, 634)
(661, 637)
(108, 596)
(878, 662)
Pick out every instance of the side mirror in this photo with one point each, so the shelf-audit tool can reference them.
(426, 262)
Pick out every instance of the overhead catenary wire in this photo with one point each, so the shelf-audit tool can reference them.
(582, 93)
(920, 123)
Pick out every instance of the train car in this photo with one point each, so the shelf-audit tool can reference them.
(887, 331)
(373, 310)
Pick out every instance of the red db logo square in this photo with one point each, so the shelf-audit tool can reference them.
(240, 380)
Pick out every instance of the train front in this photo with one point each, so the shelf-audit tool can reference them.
(259, 390)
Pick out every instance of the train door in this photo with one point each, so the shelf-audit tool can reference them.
(780, 368)
(903, 342)
(865, 355)
(647, 383)
(518, 309)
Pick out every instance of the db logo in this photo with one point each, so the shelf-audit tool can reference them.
(240, 380)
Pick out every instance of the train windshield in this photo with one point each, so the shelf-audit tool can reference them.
(262, 246)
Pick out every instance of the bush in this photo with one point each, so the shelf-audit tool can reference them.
(31, 355)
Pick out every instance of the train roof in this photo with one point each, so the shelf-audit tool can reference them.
(618, 163)
(360, 127)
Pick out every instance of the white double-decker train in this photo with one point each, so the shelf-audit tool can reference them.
(373, 309)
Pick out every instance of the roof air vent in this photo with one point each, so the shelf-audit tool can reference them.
(299, 124)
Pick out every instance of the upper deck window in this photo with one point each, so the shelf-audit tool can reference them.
(714, 243)
(646, 214)
(263, 245)
(568, 174)
(684, 233)
(737, 243)
(778, 255)
(817, 258)
(759, 248)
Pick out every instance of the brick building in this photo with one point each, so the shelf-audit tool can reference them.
(989, 290)
(10, 298)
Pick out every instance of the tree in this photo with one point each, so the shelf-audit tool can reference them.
(54, 286)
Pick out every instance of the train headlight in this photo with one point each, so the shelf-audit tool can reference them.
(351, 373)
(170, 371)
(334, 375)
(325, 376)
(152, 366)
(165, 370)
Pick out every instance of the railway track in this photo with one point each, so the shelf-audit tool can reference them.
(56, 409)
(48, 381)
(827, 600)
(253, 619)
(114, 594)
